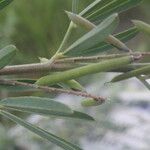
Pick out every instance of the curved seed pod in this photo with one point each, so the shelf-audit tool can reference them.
(80, 21)
(134, 73)
(6, 55)
(90, 103)
(73, 84)
(70, 84)
(94, 36)
(142, 26)
(85, 70)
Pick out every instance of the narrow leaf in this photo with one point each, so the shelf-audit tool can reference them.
(103, 46)
(109, 7)
(93, 6)
(141, 78)
(36, 104)
(4, 3)
(6, 55)
(80, 21)
(95, 36)
(134, 73)
(73, 115)
(75, 6)
(42, 133)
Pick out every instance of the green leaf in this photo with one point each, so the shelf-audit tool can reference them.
(85, 70)
(103, 46)
(74, 115)
(141, 78)
(42, 133)
(6, 55)
(4, 3)
(93, 6)
(82, 22)
(104, 8)
(36, 104)
(79, 115)
(75, 6)
(98, 34)
(142, 26)
(130, 74)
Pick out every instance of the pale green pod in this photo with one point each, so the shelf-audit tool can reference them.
(90, 103)
(142, 26)
(72, 84)
(6, 55)
(134, 73)
(82, 22)
(94, 36)
(103, 66)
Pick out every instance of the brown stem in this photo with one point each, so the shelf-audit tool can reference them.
(100, 57)
(51, 90)
(34, 68)
(61, 64)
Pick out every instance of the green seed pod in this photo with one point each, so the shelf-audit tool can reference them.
(85, 70)
(134, 73)
(73, 84)
(90, 103)
(6, 55)
(80, 21)
(142, 26)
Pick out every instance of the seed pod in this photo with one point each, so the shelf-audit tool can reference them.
(6, 55)
(80, 21)
(73, 84)
(142, 26)
(90, 103)
(134, 73)
(85, 70)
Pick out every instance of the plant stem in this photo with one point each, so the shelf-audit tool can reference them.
(62, 46)
(51, 90)
(100, 57)
(35, 68)
(66, 37)
(61, 64)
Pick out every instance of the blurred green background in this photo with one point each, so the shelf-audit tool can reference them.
(37, 27)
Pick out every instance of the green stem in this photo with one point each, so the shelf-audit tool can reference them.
(66, 37)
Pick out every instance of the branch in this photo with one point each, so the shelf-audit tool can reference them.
(61, 64)
(51, 90)
(100, 57)
(35, 68)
